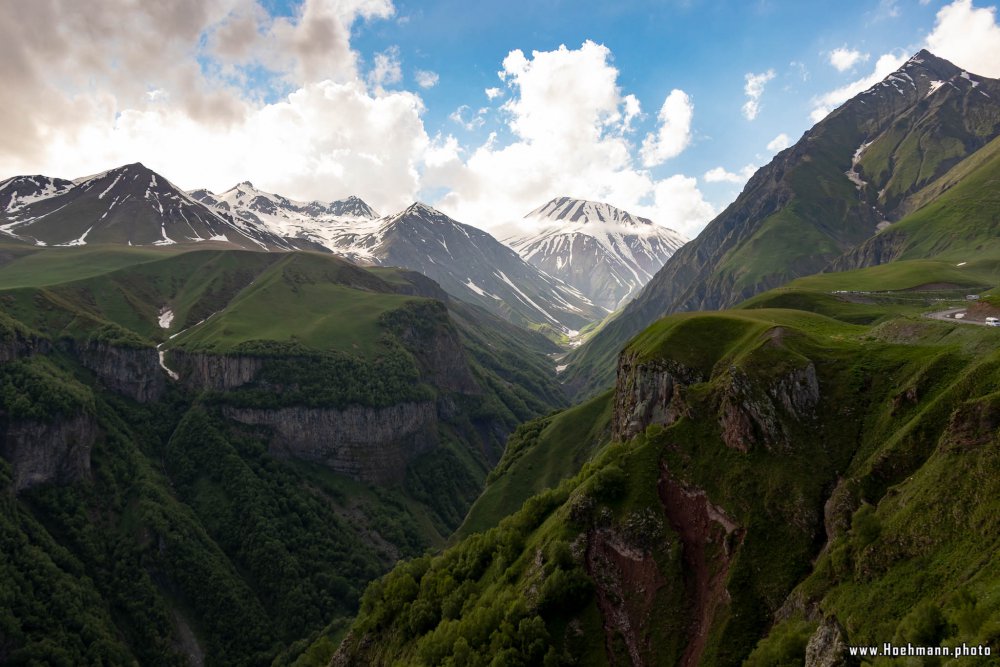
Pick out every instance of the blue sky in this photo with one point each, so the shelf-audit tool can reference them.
(703, 48)
(386, 99)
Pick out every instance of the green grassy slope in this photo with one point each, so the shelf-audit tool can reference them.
(37, 267)
(896, 459)
(304, 298)
(539, 455)
(954, 218)
(189, 538)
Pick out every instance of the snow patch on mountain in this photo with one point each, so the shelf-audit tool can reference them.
(604, 252)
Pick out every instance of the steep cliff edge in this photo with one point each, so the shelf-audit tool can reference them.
(214, 372)
(648, 393)
(132, 371)
(47, 424)
(426, 330)
(43, 453)
(17, 341)
(369, 444)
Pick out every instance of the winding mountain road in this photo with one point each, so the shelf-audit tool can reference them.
(949, 316)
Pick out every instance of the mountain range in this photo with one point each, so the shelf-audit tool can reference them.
(129, 205)
(233, 430)
(466, 261)
(134, 206)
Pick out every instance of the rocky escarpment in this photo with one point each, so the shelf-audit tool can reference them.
(15, 344)
(648, 392)
(134, 372)
(42, 452)
(752, 412)
(369, 444)
(828, 646)
(879, 249)
(214, 372)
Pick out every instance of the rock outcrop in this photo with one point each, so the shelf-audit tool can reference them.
(134, 372)
(16, 345)
(43, 452)
(973, 424)
(214, 372)
(828, 646)
(368, 444)
(750, 412)
(652, 392)
(648, 392)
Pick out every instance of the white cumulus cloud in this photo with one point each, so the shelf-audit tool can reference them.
(827, 102)
(569, 122)
(967, 36)
(674, 133)
(387, 70)
(467, 118)
(754, 89)
(779, 143)
(844, 58)
(426, 78)
(721, 175)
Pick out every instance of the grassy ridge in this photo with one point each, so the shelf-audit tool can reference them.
(38, 267)
(290, 302)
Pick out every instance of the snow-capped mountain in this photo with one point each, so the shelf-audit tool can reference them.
(332, 225)
(473, 266)
(21, 191)
(351, 207)
(604, 252)
(466, 261)
(128, 205)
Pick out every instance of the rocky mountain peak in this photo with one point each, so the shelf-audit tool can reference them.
(422, 209)
(568, 209)
(352, 206)
(924, 59)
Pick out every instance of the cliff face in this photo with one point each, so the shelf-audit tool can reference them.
(214, 372)
(49, 452)
(443, 360)
(369, 444)
(19, 346)
(753, 413)
(134, 372)
(649, 392)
